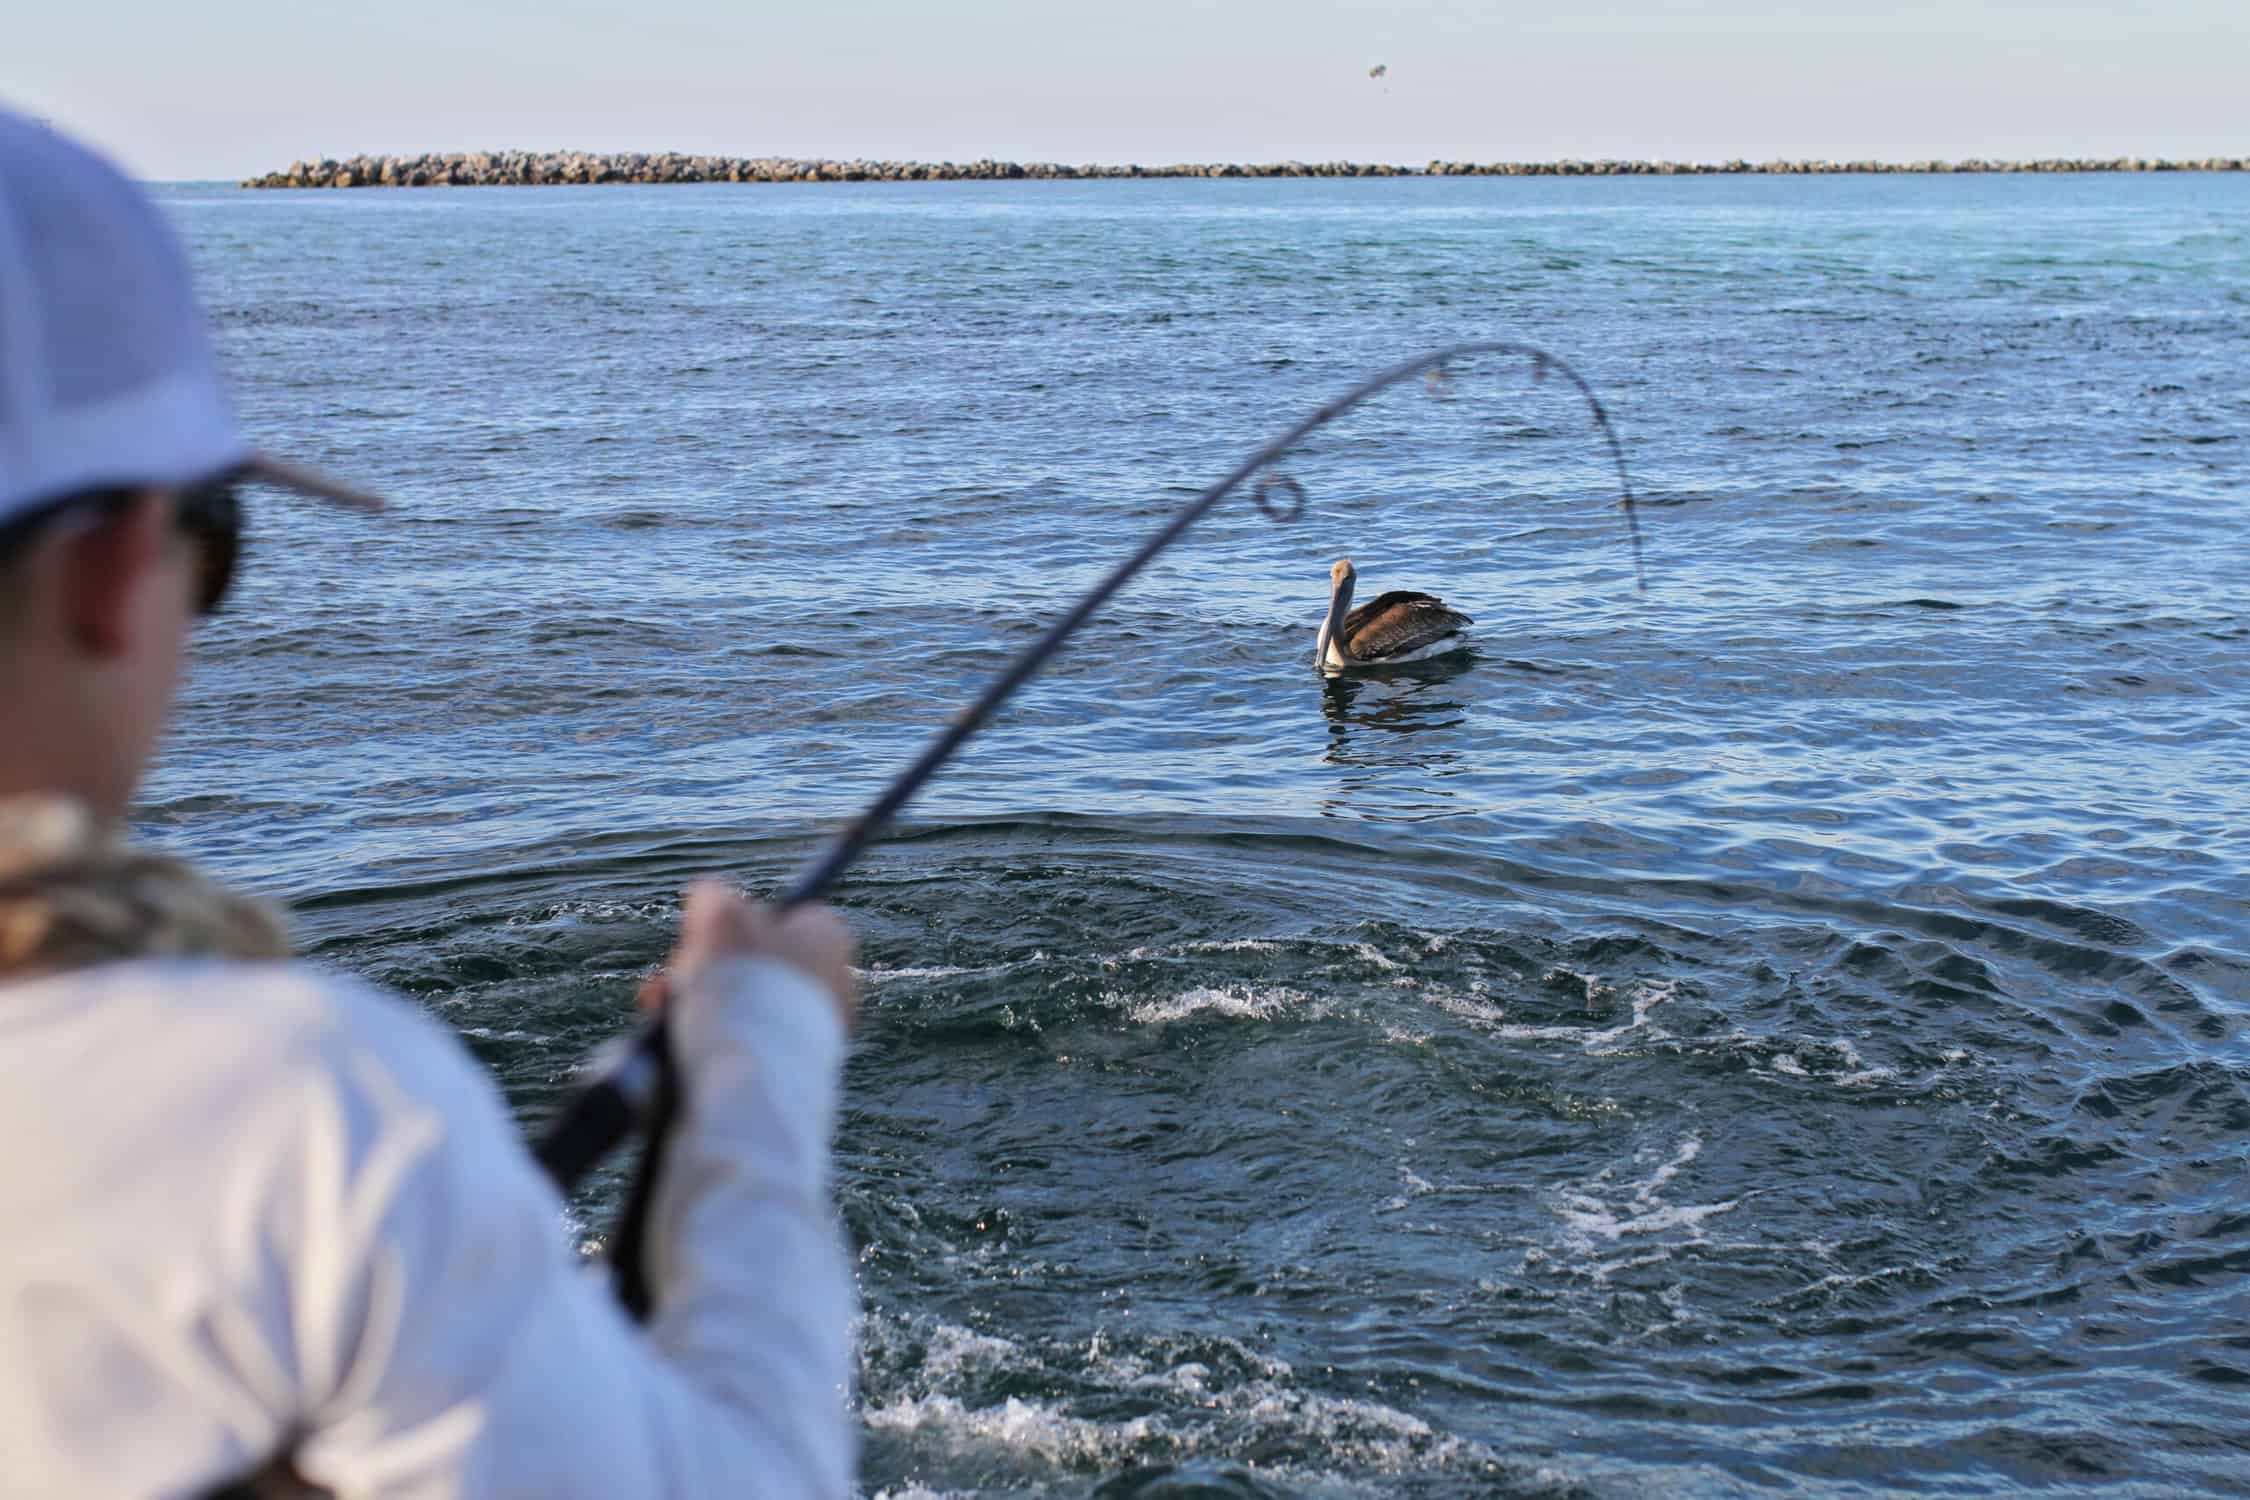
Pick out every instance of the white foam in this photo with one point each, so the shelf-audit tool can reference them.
(1862, 1074)
(1376, 956)
(1592, 1216)
(488, 1034)
(1415, 1186)
(950, 1350)
(1645, 1000)
(1588, 1216)
(1603, 1270)
(1593, 984)
(1474, 1009)
(1837, 1281)
(1362, 1433)
(1229, 1400)
(1234, 1001)
(1689, 1149)
(1863, 1079)
(1208, 945)
(1031, 1428)
(591, 911)
(1794, 1064)
(1121, 1367)
(1484, 1013)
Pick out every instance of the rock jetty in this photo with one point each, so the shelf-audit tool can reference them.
(559, 168)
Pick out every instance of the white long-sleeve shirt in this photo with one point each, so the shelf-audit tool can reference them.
(245, 1206)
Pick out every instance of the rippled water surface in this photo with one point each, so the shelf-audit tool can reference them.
(1783, 1031)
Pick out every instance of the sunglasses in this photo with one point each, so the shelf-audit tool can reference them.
(210, 516)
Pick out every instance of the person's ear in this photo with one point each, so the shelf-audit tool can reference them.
(105, 567)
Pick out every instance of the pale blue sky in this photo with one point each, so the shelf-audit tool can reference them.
(227, 87)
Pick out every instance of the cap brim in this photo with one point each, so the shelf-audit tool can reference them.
(269, 470)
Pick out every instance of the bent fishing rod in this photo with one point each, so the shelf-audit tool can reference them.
(630, 1085)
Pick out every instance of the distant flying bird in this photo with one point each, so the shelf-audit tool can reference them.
(1390, 628)
(1378, 70)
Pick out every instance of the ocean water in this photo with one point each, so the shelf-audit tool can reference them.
(1780, 1031)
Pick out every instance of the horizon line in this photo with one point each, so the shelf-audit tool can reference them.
(523, 167)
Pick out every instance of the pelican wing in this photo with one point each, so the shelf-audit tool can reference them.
(1398, 622)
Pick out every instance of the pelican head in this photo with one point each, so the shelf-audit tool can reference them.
(1329, 648)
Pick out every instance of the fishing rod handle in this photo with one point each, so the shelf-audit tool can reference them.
(620, 1088)
(623, 1078)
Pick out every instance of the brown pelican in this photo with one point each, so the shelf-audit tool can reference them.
(1388, 629)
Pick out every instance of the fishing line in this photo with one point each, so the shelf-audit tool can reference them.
(632, 1085)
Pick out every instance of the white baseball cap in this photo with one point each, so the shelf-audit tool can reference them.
(107, 378)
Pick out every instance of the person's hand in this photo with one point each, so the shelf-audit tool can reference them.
(718, 924)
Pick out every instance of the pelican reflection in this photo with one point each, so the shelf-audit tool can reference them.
(1406, 702)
